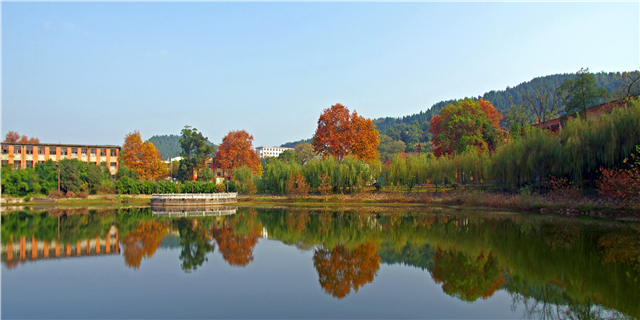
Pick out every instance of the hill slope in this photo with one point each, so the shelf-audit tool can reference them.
(167, 145)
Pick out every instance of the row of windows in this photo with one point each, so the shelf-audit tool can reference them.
(29, 164)
(63, 151)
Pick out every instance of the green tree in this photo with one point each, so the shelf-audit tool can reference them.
(466, 125)
(388, 147)
(196, 148)
(581, 92)
(517, 118)
(305, 152)
(290, 156)
(69, 176)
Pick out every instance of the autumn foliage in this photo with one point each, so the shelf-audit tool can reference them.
(297, 185)
(13, 136)
(340, 134)
(621, 184)
(341, 269)
(465, 125)
(236, 249)
(142, 157)
(142, 242)
(236, 150)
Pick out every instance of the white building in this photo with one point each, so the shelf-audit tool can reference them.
(264, 152)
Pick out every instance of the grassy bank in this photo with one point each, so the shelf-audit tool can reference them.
(540, 203)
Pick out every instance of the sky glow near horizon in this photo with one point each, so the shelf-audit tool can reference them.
(91, 72)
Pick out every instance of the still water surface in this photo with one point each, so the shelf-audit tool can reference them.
(281, 263)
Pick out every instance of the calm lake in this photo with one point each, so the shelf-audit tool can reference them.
(283, 263)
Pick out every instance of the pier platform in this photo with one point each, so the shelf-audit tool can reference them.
(193, 199)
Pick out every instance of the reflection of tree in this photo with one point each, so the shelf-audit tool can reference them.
(236, 249)
(195, 245)
(297, 221)
(341, 269)
(325, 219)
(142, 242)
(561, 236)
(551, 302)
(620, 248)
(465, 277)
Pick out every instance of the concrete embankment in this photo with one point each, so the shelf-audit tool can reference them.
(193, 199)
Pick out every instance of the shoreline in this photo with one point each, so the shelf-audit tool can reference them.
(531, 203)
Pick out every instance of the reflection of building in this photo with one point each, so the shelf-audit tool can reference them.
(27, 155)
(33, 249)
(264, 152)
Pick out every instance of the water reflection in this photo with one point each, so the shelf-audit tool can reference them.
(341, 269)
(465, 276)
(552, 268)
(143, 241)
(195, 242)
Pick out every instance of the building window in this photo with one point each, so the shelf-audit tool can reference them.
(16, 150)
(41, 150)
(219, 174)
(29, 164)
(52, 151)
(5, 149)
(83, 151)
(113, 166)
(93, 152)
(29, 150)
(103, 152)
(16, 165)
(64, 151)
(40, 162)
(218, 166)
(74, 152)
(113, 152)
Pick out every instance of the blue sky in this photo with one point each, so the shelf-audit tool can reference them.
(90, 72)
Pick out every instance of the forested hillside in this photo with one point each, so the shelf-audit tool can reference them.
(295, 143)
(411, 133)
(413, 130)
(167, 145)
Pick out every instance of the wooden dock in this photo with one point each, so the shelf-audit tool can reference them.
(193, 199)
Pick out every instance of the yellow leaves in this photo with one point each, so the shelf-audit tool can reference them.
(236, 150)
(341, 269)
(340, 134)
(142, 157)
(236, 249)
(142, 242)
